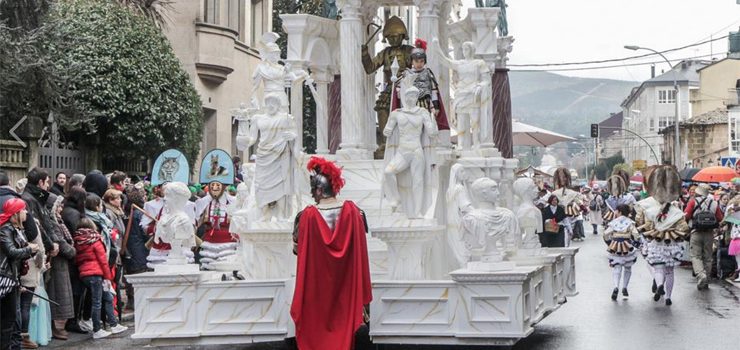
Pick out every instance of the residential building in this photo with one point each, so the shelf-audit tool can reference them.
(650, 108)
(610, 136)
(703, 139)
(717, 86)
(216, 42)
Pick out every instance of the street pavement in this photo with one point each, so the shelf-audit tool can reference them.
(591, 320)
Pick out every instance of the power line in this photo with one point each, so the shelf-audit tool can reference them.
(616, 59)
(610, 66)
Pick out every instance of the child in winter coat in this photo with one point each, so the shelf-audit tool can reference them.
(95, 273)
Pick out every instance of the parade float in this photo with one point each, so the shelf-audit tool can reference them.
(453, 254)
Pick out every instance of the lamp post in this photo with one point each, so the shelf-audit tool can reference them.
(676, 145)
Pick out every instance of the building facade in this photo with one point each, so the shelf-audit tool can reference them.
(717, 86)
(650, 108)
(216, 42)
(703, 139)
(609, 142)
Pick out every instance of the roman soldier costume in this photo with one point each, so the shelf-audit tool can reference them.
(332, 268)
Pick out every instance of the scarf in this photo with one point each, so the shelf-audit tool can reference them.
(63, 228)
(106, 226)
(11, 207)
(116, 211)
(85, 236)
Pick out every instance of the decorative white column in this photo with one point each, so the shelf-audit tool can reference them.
(296, 99)
(485, 21)
(323, 77)
(429, 23)
(353, 82)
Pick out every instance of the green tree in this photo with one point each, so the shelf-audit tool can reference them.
(604, 168)
(130, 88)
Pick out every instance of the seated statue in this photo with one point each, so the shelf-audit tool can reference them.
(486, 225)
(409, 171)
(530, 217)
(176, 226)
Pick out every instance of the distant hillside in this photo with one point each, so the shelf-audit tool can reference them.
(566, 105)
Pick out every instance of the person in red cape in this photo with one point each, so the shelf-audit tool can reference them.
(333, 276)
(426, 82)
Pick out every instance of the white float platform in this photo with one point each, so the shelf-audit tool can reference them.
(199, 308)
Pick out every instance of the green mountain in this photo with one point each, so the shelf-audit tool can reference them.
(566, 105)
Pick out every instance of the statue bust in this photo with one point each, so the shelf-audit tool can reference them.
(409, 171)
(530, 217)
(486, 225)
(176, 226)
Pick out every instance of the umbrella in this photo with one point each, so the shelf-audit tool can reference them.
(636, 178)
(687, 173)
(714, 174)
(528, 135)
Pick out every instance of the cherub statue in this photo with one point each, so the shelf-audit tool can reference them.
(275, 160)
(486, 225)
(409, 170)
(473, 93)
(530, 217)
(176, 226)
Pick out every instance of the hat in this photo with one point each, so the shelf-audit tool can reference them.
(702, 190)
(420, 50)
(11, 207)
(595, 187)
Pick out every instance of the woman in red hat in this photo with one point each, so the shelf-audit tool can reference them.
(14, 251)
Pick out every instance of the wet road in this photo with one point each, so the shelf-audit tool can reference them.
(696, 320)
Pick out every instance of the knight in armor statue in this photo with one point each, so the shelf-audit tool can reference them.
(395, 33)
(424, 80)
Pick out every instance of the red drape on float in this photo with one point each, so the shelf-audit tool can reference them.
(332, 281)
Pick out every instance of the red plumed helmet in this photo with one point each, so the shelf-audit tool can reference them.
(333, 173)
(420, 43)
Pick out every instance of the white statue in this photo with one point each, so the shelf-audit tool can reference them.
(273, 74)
(530, 217)
(486, 225)
(458, 205)
(275, 159)
(410, 175)
(176, 226)
(473, 93)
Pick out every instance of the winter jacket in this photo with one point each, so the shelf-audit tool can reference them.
(57, 189)
(59, 286)
(136, 252)
(29, 227)
(71, 215)
(35, 266)
(91, 256)
(36, 199)
(13, 250)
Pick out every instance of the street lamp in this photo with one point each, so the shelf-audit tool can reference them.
(677, 145)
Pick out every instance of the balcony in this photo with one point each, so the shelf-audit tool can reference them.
(215, 53)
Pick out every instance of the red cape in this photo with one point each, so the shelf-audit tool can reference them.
(332, 281)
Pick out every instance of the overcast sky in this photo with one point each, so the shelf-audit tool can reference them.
(550, 31)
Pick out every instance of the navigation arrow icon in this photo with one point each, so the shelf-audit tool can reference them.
(15, 127)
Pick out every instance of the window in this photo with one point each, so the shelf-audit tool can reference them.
(666, 96)
(212, 9)
(259, 20)
(234, 10)
(664, 122)
(652, 124)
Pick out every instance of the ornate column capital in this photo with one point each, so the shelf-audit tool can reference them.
(505, 45)
(428, 7)
(350, 9)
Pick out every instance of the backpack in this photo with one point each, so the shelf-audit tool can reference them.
(703, 218)
(593, 205)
